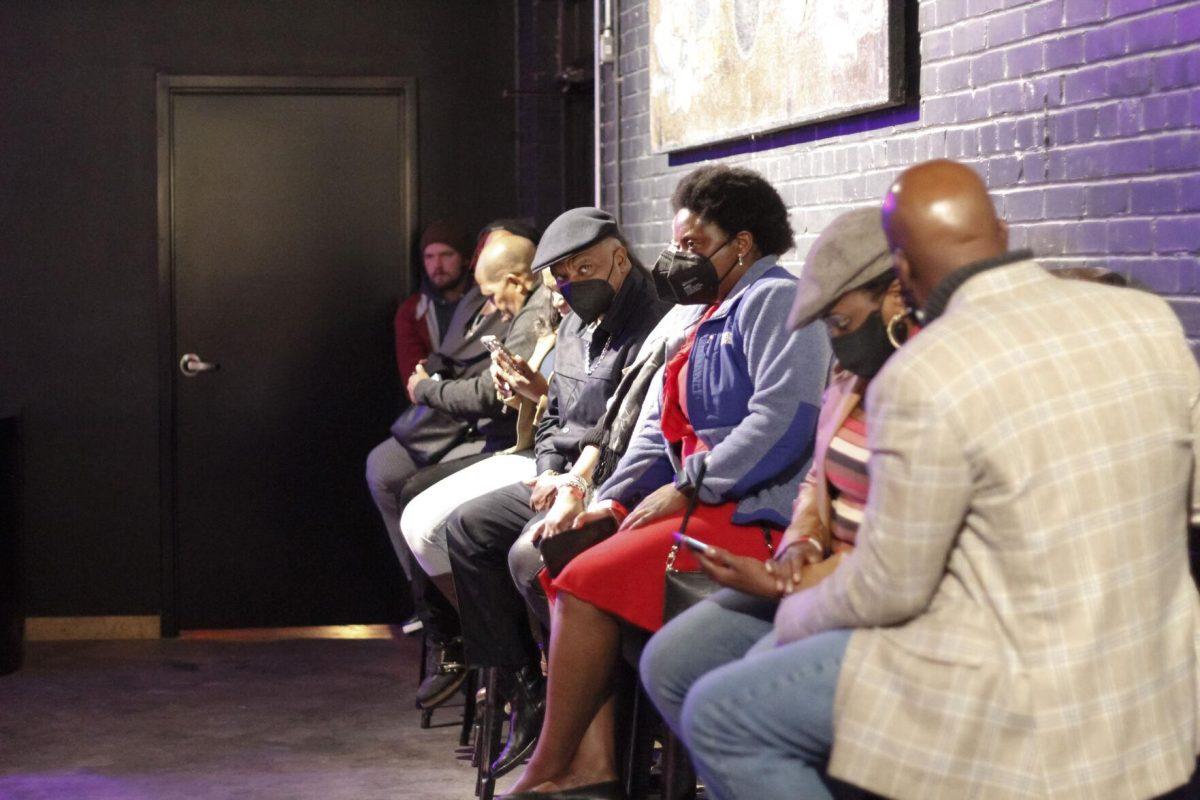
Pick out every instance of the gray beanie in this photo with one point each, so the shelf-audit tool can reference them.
(851, 252)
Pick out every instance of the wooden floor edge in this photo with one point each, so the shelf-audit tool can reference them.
(52, 629)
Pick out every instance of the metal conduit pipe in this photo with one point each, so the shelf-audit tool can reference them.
(597, 161)
(604, 49)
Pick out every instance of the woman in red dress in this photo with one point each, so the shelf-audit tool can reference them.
(739, 397)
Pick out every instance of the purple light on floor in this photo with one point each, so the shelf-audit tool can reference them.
(58, 785)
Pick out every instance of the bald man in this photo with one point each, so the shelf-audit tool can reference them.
(1017, 618)
(504, 275)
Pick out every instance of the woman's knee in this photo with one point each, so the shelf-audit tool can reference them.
(710, 719)
(666, 667)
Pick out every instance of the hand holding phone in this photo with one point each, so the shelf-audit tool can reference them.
(494, 345)
(695, 545)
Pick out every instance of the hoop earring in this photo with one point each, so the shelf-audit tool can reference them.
(895, 340)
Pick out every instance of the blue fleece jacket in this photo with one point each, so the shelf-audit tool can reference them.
(753, 396)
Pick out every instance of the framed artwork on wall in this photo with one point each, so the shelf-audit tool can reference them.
(727, 69)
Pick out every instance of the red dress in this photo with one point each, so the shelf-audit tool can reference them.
(624, 574)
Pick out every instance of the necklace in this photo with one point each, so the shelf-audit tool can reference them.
(590, 363)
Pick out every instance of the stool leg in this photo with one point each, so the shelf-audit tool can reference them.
(489, 735)
(426, 713)
(679, 779)
(422, 669)
(464, 734)
(639, 754)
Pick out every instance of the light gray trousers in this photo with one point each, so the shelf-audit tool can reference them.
(389, 466)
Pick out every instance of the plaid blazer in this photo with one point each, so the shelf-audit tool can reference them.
(1027, 624)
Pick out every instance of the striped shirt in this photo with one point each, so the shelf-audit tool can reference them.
(846, 471)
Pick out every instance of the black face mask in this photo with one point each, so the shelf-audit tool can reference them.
(864, 351)
(591, 297)
(687, 278)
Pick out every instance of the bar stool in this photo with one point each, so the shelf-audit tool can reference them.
(646, 728)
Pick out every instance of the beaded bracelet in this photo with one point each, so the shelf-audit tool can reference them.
(581, 487)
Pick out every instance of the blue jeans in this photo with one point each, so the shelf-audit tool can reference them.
(756, 718)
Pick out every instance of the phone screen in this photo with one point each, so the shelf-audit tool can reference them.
(690, 543)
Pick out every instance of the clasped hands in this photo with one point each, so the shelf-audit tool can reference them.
(419, 374)
(566, 510)
(794, 568)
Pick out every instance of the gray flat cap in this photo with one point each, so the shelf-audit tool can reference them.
(572, 231)
(849, 253)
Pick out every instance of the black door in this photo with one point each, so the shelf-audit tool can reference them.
(287, 210)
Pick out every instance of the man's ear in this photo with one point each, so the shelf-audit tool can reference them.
(621, 258)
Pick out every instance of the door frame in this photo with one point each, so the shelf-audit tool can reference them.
(169, 86)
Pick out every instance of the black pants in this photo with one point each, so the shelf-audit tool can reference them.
(432, 608)
(495, 621)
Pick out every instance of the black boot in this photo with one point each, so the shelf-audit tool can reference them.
(445, 676)
(527, 698)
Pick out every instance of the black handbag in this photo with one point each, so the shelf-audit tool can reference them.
(682, 590)
(428, 434)
(558, 550)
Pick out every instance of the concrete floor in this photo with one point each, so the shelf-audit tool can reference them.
(159, 720)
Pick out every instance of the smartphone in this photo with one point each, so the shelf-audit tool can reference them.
(692, 544)
(494, 345)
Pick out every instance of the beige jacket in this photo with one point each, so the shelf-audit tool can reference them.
(1027, 624)
(528, 412)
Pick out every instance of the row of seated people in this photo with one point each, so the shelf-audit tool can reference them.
(979, 552)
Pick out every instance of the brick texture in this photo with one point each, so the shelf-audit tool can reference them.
(1083, 116)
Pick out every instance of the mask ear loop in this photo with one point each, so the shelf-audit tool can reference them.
(719, 249)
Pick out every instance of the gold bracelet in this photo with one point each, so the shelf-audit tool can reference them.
(806, 539)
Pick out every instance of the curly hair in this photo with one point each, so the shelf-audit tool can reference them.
(737, 199)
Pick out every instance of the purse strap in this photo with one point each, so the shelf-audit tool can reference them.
(687, 514)
(673, 553)
(766, 532)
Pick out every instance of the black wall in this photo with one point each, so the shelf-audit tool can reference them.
(554, 107)
(78, 257)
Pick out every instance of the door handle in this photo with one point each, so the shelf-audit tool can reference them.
(192, 365)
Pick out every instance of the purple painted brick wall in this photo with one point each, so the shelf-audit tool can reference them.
(1082, 115)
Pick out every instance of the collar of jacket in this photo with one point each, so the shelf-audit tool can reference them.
(631, 295)
(756, 271)
(939, 298)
